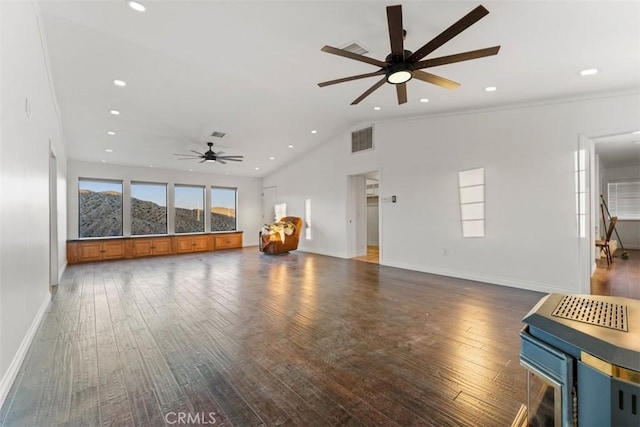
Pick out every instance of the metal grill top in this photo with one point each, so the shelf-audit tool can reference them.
(599, 313)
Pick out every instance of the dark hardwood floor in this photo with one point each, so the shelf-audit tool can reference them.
(244, 339)
(621, 278)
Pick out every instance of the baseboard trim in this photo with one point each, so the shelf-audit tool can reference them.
(12, 372)
(501, 281)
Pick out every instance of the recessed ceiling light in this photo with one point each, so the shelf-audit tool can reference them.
(636, 132)
(108, 150)
(424, 100)
(377, 108)
(111, 132)
(490, 89)
(257, 169)
(314, 131)
(120, 83)
(137, 6)
(114, 112)
(150, 166)
(104, 161)
(190, 170)
(272, 158)
(290, 146)
(589, 72)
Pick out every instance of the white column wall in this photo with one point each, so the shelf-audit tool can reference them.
(528, 154)
(29, 130)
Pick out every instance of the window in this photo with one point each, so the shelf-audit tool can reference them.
(148, 208)
(581, 191)
(471, 187)
(189, 209)
(223, 209)
(280, 210)
(99, 208)
(307, 219)
(624, 199)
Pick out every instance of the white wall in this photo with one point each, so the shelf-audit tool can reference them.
(629, 231)
(24, 183)
(249, 191)
(528, 156)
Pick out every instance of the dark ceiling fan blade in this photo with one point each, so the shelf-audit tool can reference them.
(348, 79)
(401, 90)
(462, 24)
(370, 90)
(221, 161)
(230, 157)
(458, 57)
(202, 161)
(197, 152)
(191, 158)
(231, 160)
(185, 155)
(436, 80)
(219, 153)
(396, 36)
(351, 55)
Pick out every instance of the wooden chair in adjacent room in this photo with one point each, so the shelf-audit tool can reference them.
(603, 245)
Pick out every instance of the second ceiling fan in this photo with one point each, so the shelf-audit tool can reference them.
(402, 65)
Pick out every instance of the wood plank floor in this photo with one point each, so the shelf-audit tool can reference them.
(373, 255)
(244, 339)
(622, 278)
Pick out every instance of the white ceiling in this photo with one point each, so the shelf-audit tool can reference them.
(250, 69)
(619, 150)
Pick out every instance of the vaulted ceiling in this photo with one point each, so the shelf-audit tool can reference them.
(250, 69)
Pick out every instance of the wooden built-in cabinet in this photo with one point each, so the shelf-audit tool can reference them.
(151, 246)
(228, 241)
(193, 243)
(97, 250)
(137, 247)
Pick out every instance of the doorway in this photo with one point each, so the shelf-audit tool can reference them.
(614, 178)
(364, 217)
(53, 220)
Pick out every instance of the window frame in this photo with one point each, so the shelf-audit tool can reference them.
(235, 208)
(102, 180)
(613, 208)
(166, 188)
(481, 203)
(175, 207)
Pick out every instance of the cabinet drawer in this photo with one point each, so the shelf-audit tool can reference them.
(184, 244)
(162, 246)
(113, 250)
(142, 248)
(90, 252)
(227, 242)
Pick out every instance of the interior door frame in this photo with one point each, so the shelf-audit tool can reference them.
(53, 219)
(357, 213)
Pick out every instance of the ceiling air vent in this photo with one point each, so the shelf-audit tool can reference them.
(362, 140)
(217, 134)
(354, 47)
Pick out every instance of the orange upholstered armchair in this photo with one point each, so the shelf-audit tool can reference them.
(272, 243)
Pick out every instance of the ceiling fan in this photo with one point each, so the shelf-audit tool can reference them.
(402, 65)
(210, 156)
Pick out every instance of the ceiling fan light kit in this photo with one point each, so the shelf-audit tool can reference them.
(402, 65)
